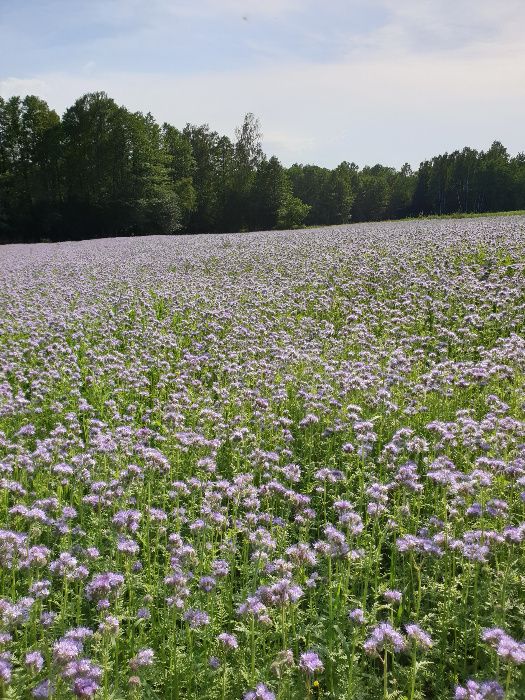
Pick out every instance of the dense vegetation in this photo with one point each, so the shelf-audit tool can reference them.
(101, 170)
(265, 466)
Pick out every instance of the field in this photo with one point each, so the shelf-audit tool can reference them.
(272, 465)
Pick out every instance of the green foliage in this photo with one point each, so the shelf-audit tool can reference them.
(337, 195)
(181, 166)
(116, 171)
(343, 393)
(102, 170)
(29, 158)
(470, 181)
(292, 212)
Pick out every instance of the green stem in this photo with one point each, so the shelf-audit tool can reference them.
(413, 675)
(385, 676)
(351, 668)
(252, 636)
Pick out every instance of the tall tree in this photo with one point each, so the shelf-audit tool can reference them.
(181, 166)
(103, 170)
(29, 162)
(248, 156)
(337, 195)
(273, 204)
(496, 178)
(204, 145)
(308, 184)
(373, 193)
(116, 171)
(401, 193)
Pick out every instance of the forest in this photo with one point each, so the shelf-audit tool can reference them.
(101, 170)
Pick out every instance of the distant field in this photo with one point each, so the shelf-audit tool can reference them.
(518, 212)
(437, 217)
(282, 465)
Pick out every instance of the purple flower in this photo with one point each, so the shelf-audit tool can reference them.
(472, 690)
(82, 668)
(34, 661)
(310, 663)
(504, 645)
(280, 593)
(142, 659)
(253, 606)
(261, 692)
(220, 568)
(214, 662)
(41, 589)
(384, 636)
(127, 546)
(5, 669)
(393, 596)
(43, 690)
(110, 624)
(103, 585)
(196, 618)
(14, 614)
(66, 650)
(357, 615)
(228, 641)
(47, 618)
(418, 636)
(85, 687)
(127, 520)
(207, 583)
(78, 633)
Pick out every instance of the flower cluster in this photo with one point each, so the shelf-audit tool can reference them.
(283, 464)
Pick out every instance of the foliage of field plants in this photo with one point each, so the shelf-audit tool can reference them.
(278, 465)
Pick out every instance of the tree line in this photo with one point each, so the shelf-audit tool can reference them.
(102, 170)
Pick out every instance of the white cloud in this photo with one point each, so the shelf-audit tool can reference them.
(24, 86)
(388, 100)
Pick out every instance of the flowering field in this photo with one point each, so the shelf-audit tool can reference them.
(282, 465)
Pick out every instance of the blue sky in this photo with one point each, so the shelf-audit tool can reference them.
(361, 80)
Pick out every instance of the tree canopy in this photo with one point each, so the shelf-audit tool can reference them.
(102, 170)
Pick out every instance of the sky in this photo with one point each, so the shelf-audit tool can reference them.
(368, 81)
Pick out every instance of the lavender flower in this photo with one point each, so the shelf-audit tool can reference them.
(357, 616)
(392, 596)
(418, 636)
(6, 668)
(34, 661)
(196, 618)
(261, 692)
(142, 659)
(472, 690)
(103, 585)
(384, 636)
(228, 641)
(310, 663)
(43, 690)
(504, 645)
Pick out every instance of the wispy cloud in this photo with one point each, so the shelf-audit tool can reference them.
(363, 80)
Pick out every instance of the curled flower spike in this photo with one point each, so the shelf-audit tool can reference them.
(486, 690)
(384, 636)
(261, 692)
(310, 663)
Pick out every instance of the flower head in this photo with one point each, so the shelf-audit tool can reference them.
(261, 692)
(472, 690)
(310, 663)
